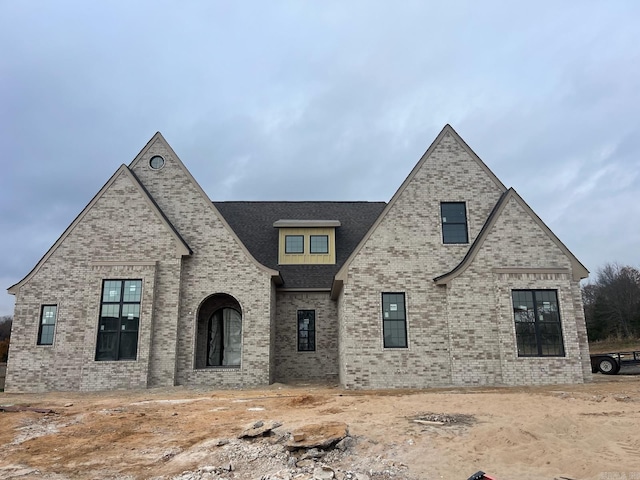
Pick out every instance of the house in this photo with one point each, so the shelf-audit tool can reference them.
(454, 281)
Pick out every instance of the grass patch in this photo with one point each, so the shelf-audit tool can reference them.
(614, 345)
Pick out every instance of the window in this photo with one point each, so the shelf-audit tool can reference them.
(119, 319)
(319, 244)
(294, 244)
(47, 324)
(394, 321)
(454, 222)
(224, 346)
(156, 162)
(306, 330)
(538, 329)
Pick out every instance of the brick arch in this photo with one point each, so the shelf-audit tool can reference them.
(219, 332)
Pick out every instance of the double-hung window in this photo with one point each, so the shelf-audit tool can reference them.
(394, 320)
(47, 327)
(119, 320)
(538, 328)
(454, 222)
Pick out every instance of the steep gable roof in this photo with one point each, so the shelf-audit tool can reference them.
(447, 130)
(253, 223)
(159, 138)
(181, 246)
(578, 270)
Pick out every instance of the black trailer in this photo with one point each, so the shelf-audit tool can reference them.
(610, 363)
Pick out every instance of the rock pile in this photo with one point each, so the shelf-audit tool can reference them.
(312, 452)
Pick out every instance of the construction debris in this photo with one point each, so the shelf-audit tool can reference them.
(21, 408)
(322, 435)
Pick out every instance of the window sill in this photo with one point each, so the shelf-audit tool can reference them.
(542, 356)
(219, 367)
(134, 360)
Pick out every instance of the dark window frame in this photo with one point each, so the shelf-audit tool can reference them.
(391, 326)
(449, 227)
(286, 244)
(538, 327)
(156, 165)
(50, 330)
(323, 252)
(122, 327)
(306, 343)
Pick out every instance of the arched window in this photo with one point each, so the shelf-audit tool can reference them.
(219, 332)
(224, 338)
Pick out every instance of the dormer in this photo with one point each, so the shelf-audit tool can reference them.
(306, 242)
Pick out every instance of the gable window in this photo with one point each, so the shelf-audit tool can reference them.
(47, 324)
(119, 320)
(394, 320)
(156, 162)
(294, 244)
(538, 328)
(306, 330)
(454, 222)
(319, 244)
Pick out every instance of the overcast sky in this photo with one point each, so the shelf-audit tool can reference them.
(256, 96)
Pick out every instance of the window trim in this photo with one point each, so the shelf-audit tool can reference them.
(286, 245)
(119, 330)
(312, 348)
(41, 324)
(537, 322)
(465, 223)
(311, 251)
(403, 320)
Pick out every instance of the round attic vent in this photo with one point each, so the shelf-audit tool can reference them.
(156, 162)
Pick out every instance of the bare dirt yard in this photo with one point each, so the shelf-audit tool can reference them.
(589, 431)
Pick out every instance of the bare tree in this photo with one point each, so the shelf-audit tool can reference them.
(5, 326)
(612, 302)
(5, 334)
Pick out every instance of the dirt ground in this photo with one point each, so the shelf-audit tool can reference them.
(589, 431)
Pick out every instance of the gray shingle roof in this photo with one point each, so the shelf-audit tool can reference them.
(253, 223)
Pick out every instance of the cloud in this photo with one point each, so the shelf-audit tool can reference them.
(332, 100)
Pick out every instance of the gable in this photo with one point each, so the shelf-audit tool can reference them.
(449, 171)
(515, 238)
(123, 186)
(184, 202)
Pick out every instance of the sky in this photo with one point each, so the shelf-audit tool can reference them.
(255, 97)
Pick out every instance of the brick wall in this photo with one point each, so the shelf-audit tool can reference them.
(120, 236)
(517, 241)
(219, 265)
(319, 365)
(461, 334)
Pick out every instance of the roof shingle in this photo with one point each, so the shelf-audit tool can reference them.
(253, 224)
